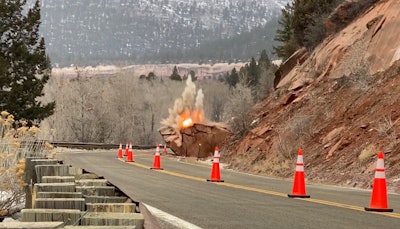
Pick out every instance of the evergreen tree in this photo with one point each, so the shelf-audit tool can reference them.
(307, 14)
(258, 77)
(151, 76)
(193, 74)
(24, 65)
(285, 35)
(264, 61)
(232, 79)
(302, 16)
(252, 74)
(302, 25)
(175, 75)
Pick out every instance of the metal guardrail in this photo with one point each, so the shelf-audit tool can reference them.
(89, 146)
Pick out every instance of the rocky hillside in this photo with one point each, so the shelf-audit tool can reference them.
(340, 104)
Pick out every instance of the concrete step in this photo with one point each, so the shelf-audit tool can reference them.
(113, 219)
(91, 182)
(59, 195)
(111, 207)
(96, 190)
(60, 203)
(106, 199)
(99, 227)
(32, 225)
(54, 187)
(67, 216)
(51, 170)
(58, 179)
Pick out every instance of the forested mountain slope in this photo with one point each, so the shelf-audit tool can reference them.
(118, 31)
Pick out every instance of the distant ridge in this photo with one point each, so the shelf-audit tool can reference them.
(92, 32)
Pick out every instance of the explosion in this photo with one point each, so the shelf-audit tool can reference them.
(188, 109)
(186, 131)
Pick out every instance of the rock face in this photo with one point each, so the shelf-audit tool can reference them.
(341, 106)
(198, 140)
(296, 59)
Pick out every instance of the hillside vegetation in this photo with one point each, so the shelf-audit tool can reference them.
(338, 103)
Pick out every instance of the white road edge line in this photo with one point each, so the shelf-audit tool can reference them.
(180, 223)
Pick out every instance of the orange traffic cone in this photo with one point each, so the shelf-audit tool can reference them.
(129, 157)
(126, 149)
(215, 173)
(299, 187)
(379, 200)
(165, 150)
(157, 160)
(119, 155)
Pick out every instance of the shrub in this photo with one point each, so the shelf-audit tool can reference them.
(239, 107)
(17, 141)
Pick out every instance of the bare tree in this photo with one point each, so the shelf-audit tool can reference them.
(120, 107)
(120, 94)
(216, 97)
(238, 108)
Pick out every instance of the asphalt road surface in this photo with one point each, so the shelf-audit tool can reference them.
(242, 201)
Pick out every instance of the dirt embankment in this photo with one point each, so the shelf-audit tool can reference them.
(341, 106)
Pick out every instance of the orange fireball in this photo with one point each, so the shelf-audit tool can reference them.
(187, 122)
(189, 118)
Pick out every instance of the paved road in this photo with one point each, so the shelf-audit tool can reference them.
(242, 201)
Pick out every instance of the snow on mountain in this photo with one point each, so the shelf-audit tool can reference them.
(133, 29)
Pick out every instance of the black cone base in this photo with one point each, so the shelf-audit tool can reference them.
(298, 196)
(215, 180)
(378, 209)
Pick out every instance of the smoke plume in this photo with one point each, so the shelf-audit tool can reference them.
(189, 106)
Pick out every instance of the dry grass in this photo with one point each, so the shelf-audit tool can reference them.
(367, 153)
(293, 134)
(385, 125)
(15, 146)
(272, 167)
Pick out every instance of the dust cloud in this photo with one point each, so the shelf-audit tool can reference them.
(189, 106)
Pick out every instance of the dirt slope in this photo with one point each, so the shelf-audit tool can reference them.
(341, 106)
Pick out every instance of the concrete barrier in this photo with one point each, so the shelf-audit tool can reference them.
(30, 175)
(64, 196)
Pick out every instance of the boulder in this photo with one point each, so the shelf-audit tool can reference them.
(296, 59)
(198, 140)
